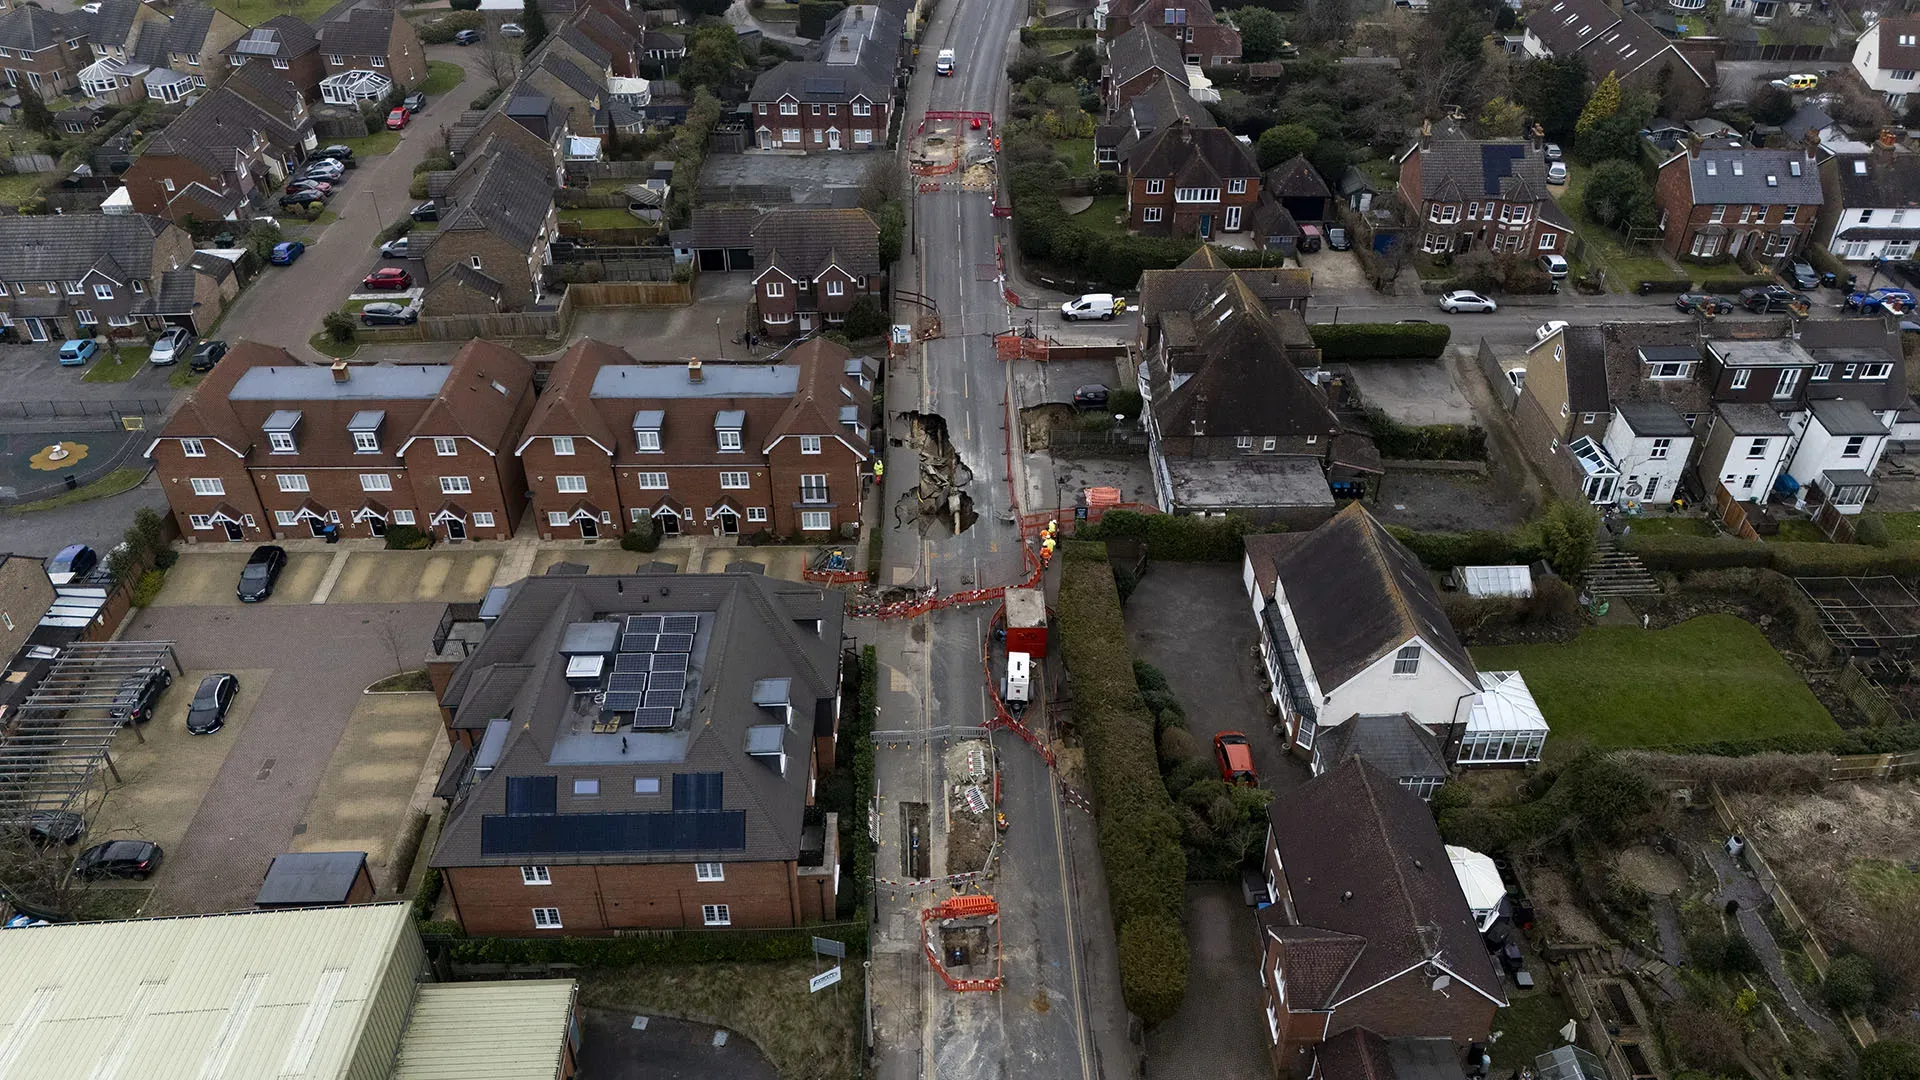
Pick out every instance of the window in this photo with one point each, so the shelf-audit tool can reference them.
(1407, 660)
(1660, 448)
(193, 448)
(1236, 187)
(729, 439)
(1876, 371)
(281, 441)
(1548, 240)
(809, 444)
(563, 445)
(815, 521)
(1149, 214)
(1588, 418)
(1243, 442)
(652, 481)
(734, 480)
(375, 481)
(103, 292)
(862, 136)
(1758, 448)
(366, 442)
(570, 485)
(292, 481)
(1740, 378)
(198, 521)
(1788, 382)
(281, 63)
(73, 288)
(85, 317)
(1854, 443)
(557, 518)
(716, 915)
(1156, 187)
(208, 486)
(1822, 372)
(1719, 212)
(403, 517)
(139, 287)
(646, 785)
(816, 110)
(776, 289)
(193, 59)
(789, 108)
(756, 513)
(379, 61)
(535, 875)
(483, 519)
(544, 918)
(446, 447)
(285, 517)
(861, 108)
(709, 871)
(1269, 444)
(1788, 214)
(1196, 195)
(813, 487)
(455, 485)
(647, 442)
(1670, 369)
(836, 288)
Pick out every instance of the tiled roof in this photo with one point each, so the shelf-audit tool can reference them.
(485, 387)
(114, 24)
(824, 391)
(1192, 156)
(1462, 170)
(1394, 744)
(1141, 50)
(723, 227)
(565, 406)
(863, 67)
(589, 49)
(1243, 381)
(1729, 171)
(1893, 55)
(364, 32)
(1295, 177)
(499, 191)
(1316, 961)
(225, 119)
(803, 241)
(1878, 179)
(282, 35)
(32, 28)
(64, 247)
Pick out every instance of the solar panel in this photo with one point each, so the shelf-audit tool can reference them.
(670, 661)
(624, 702)
(698, 791)
(668, 680)
(628, 662)
(643, 624)
(663, 699)
(680, 624)
(638, 642)
(631, 684)
(652, 718)
(535, 794)
(1497, 161)
(654, 830)
(824, 84)
(675, 643)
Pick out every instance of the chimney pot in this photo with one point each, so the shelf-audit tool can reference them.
(340, 371)
(694, 374)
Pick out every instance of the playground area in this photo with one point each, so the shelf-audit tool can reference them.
(36, 464)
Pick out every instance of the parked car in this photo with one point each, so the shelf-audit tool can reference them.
(1338, 240)
(1802, 83)
(396, 249)
(466, 37)
(46, 827)
(1549, 328)
(322, 187)
(301, 199)
(414, 102)
(398, 118)
(1894, 297)
(1455, 302)
(323, 169)
(171, 346)
(1556, 172)
(1091, 306)
(1803, 275)
(388, 278)
(139, 704)
(1695, 303)
(511, 30)
(339, 152)
(1235, 758)
(71, 563)
(1090, 396)
(426, 211)
(262, 570)
(118, 858)
(1555, 266)
(208, 713)
(206, 355)
(1553, 152)
(1765, 298)
(286, 251)
(385, 314)
(78, 351)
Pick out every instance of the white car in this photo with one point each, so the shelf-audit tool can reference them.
(396, 249)
(1553, 152)
(1455, 302)
(323, 169)
(511, 30)
(1548, 329)
(1555, 266)
(1556, 172)
(1091, 306)
(171, 345)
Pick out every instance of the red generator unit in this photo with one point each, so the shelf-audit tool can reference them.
(1027, 622)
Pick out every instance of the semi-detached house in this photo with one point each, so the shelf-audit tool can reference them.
(1723, 196)
(78, 275)
(1872, 208)
(42, 51)
(1468, 193)
(1887, 58)
(813, 265)
(843, 99)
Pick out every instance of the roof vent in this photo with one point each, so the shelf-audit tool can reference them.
(1346, 896)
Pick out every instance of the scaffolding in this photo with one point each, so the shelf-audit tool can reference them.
(54, 743)
(1874, 620)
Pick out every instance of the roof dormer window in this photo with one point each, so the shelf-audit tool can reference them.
(646, 430)
(727, 425)
(365, 426)
(280, 428)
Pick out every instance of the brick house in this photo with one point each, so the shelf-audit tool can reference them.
(377, 40)
(1159, 103)
(42, 50)
(1724, 197)
(1468, 193)
(615, 31)
(1203, 40)
(78, 275)
(1367, 926)
(842, 100)
(580, 93)
(813, 264)
(496, 218)
(1187, 180)
(577, 806)
(268, 447)
(25, 595)
(285, 44)
(530, 121)
(1621, 44)
(728, 448)
(218, 159)
(1136, 60)
(140, 54)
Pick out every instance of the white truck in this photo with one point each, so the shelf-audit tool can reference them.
(944, 63)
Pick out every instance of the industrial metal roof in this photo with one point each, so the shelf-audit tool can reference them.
(487, 1031)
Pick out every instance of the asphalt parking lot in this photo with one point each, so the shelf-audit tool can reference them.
(781, 562)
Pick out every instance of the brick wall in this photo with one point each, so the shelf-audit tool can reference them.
(1183, 219)
(1407, 1007)
(815, 127)
(602, 899)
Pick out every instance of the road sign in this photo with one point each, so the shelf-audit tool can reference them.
(824, 979)
(830, 947)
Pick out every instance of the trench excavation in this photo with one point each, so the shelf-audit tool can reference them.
(940, 500)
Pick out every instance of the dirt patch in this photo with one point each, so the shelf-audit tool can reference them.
(1654, 872)
(970, 806)
(1556, 902)
(977, 178)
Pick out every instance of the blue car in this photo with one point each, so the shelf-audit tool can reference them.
(78, 351)
(284, 253)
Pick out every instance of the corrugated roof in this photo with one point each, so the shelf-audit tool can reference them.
(487, 1031)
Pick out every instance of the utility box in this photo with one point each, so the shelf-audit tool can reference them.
(1027, 621)
(1019, 678)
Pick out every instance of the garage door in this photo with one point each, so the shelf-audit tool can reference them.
(712, 260)
(739, 258)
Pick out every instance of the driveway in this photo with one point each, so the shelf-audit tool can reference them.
(1415, 392)
(1335, 270)
(1217, 1032)
(722, 297)
(612, 1048)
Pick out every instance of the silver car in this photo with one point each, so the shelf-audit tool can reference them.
(173, 345)
(1466, 301)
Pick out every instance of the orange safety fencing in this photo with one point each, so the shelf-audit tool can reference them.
(1013, 345)
(964, 907)
(914, 608)
(928, 168)
(1068, 516)
(1002, 717)
(838, 577)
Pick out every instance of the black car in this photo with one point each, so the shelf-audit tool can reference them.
(339, 152)
(118, 858)
(46, 827)
(208, 713)
(1338, 240)
(262, 569)
(1771, 298)
(1803, 274)
(297, 199)
(207, 354)
(387, 314)
(1090, 396)
(426, 211)
(138, 705)
(71, 563)
(414, 102)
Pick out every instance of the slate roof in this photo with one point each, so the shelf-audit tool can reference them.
(187, 32)
(1316, 961)
(722, 227)
(1729, 171)
(1183, 287)
(754, 633)
(822, 396)
(1462, 170)
(829, 78)
(565, 406)
(1141, 50)
(1808, 117)
(464, 276)
(1395, 744)
(1358, 594)
(1893, 56)
(1611, 42)
(1360, 1054)
(1159, 103)
(31, 29)
(1856, 340)
(1890, 180)
(802, 241)
(66, 246)
(571, 76)
(1625, 378)
(590, 50)
(223, 120)
(282, 35)
(1296, 178)
(113, 24)
(1242, 382)
(470, 402)
(364, 32)
(1373, 867)
(1192, 156)
(502, 191)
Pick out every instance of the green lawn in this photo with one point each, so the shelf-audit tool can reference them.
(1796, 531)
(1605, 249)
(1529, 1026)
(601, 217)
(17, 186)
(442, 77)
(1107, 215)
(380, 142)
(184, 377)
(806, 1036)
(1707, 679)
(113, 483)
(105, 369)
(1078, 154)
(255, 12)
(1672, 526)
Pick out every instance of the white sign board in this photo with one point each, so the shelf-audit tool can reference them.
(824, 979)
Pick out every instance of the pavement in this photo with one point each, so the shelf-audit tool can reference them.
(98, 523)
(611, 1048)
(808, 176)
(1736, 884)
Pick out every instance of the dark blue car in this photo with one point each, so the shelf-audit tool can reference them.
(284, 253)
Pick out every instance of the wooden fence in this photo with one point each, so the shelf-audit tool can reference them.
(1874, 766)
(1731, 515)
(636, 293)
(1837, 526)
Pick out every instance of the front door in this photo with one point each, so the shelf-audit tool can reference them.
(233, 530)
(456, 529)
(833, 138)
(377, 526)
(729, 523)
(316, 526)
(589, 529)
(668, 522)
(1653, 486)
(36, 329)
(1206, 226)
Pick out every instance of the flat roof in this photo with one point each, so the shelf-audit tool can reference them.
(247, 994)
(1774, 352)
(716, 380)
(310, 877)
(1654, 419)
(487, 1031)
(365, 382)
(1247, 482)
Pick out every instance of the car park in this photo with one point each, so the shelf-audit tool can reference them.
(398, 118)
(1091, 306)
(286, 251)
(1338, 240)
(385, 314)
(118, 858)
(396, 249)
(1549, 328)
(1765, 298)
(171, 346)
(71, 563)
(208, 712)
(1234, 756)
(426, 211)
(138, 705)
(1456, 302)
(78, 351)
(466, 37)
(262, 570)
(1091, 396)
(1694, 303)
(206, 355)
(414, 102)
(1555, 266)
(388, 278)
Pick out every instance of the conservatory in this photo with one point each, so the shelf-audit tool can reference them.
(1505, 726)
(354, 87)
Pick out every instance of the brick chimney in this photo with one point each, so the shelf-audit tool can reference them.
(694, 374)
(340, 371)
(1426, 134)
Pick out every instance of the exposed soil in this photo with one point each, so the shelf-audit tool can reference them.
(1556, 900)
(939, 500)
(1654, 872)
(969, 827)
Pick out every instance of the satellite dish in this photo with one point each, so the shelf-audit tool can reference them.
(1441, 982)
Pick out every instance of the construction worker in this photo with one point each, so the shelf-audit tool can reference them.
(1046, 551)
(1052, 530)
(879, 468)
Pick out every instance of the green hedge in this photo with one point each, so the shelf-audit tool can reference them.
(1381, 341)
(1033, 35)
(1428, 442)
(1044, 231)
(1446, 550)
(679, 947)
(428, 897)
(863, 781)
(442, 30)
(147, 589)
(1734, 285)
(1672, 285)
(1173, 537)
(1682, 553)
(1139, 830)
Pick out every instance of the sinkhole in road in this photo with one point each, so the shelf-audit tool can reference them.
(939, 500)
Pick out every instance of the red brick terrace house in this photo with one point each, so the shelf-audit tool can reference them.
(1190, 180)
(814, 265)
(724, 447)
(639, 752)
(1468, 193)
(1203, 40)
(1727, 198)
(268, 447)
(1368, 926)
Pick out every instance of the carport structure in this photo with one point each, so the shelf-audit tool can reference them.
(54, 743)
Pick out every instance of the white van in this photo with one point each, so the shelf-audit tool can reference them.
(1097, 305)
(1554, 265)
(944, 64)
(1019, 686)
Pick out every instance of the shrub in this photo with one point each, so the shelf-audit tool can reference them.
(417, 187)
(148, 588)
(1176, 538)
(684, 947)
(1428, 442)
(1728, 953)
(339, 326)
(1482, 828)
(814, 16)
(441, 30)
(1734, 285)
(428, 897)
(1444, 550)
(1848, 986)
(865, 320)
(1566, 537)
(1684, 553)
(165, 558)
(406, 538)
(1890, 1059)
(1153, 966)
(642, 537)
(1381, 341)
(1871, 530)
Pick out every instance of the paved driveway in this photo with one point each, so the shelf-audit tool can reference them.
(1414, 392)
(1218, 1031)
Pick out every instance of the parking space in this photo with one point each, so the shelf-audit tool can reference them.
(1335, 270)
(209, 578)
(789, 563)
(615, 1047)
(725, 297)
(1415, 392)
(808, 175)
(438, 575)
(32, 373)
(1217, 1031)
(362, 799)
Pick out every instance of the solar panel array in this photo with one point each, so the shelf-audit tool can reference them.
(650, 671)
(581, 834)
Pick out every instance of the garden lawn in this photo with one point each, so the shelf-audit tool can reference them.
(14, 187)
(1107, 216)
(104, 369)
(441, 77)
(1671, 526)
(380, 142)
(1605, 250)
(255, 12)
(602, 217)
(1078, 154)
(806, 1036)
(1705, 680)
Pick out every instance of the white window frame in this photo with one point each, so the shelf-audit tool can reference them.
(288, 481)
(557, 519)
(729, 439)
(646, 440)
(281, 442)
(1156, 187)
(1741, 376)
(103, 292)
(809, 444)
(709, 871)
(813, 488)
(789, 108)
(535, 875)
(403, 517)
(1150, 214)
(209, 485)
(375, 481)
(836, 287)
(563, 445)
(446, 447)
(570, 485)
(1660, 449)
(1407, 660)
(651, 481)
(483, 519)
(456, 485)
(816, 520)
(546, 918)
(735, 481)
(1236, 187)
(285, 517)
(776, 290)
(198, 521)
(366, 442)
(584, 786)
(756, 513)
(716, 915)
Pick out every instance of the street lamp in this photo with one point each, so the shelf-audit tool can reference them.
(717, 349)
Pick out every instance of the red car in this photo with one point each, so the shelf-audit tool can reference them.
(398, 118)
(1235, 758)
(388, 277)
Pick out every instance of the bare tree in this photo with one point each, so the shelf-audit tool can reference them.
(499, 62)
(1436, 79)
(883, 183)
